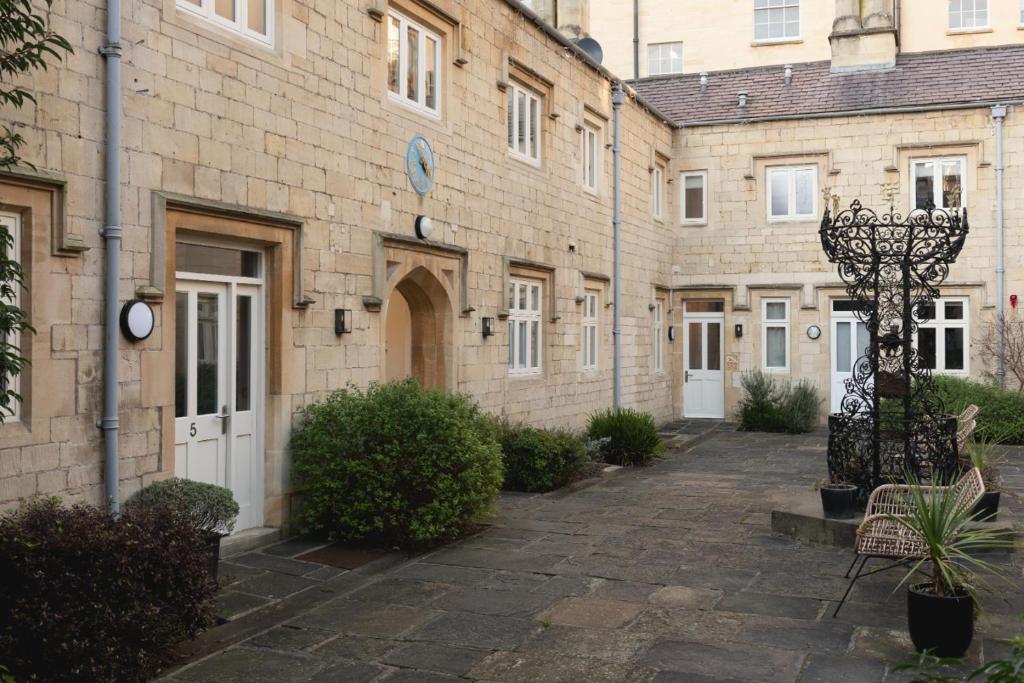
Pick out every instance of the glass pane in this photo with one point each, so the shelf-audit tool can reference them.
(777, 20)
(714, 346)
(196, 258)
(695, 350)
(954, 338)
(843, 305)
(257, 16)
(954, 310)
(207, 354)
(522, 296)
(535, 127)
(926, 347)
(225, 8)
(952, 188)
(430, 56)
(522, 344)
(843, 353)
(805, 192)
(535, 290)
(775, 351)
(511, 344)
(535, 338)
(521, 107)
(775, 310)
(181, 354)
(511, 119)
(779, 193)
(413, 64)
(394, 46)
(693, 197)
(863, 340)
(705, 306)
(593, 346)
(924, 184)
(243, 354)
(926, 312)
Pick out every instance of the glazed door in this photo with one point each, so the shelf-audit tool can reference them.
(849, 342)
(703, 377)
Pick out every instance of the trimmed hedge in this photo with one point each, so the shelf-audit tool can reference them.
(625, 437)
(1001, 414)
(538, 460)
(86, 596)
(395, 463)
(770, 405)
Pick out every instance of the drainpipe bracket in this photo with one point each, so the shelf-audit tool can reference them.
(110, 50)
(107, 423)
(111, 232)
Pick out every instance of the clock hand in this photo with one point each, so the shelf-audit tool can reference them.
(423, 165)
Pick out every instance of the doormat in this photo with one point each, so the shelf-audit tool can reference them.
(343, 556)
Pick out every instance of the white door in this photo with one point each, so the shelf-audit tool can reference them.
(218, 388)
(703, 378)
(849, 342)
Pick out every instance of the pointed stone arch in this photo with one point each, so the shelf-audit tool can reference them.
(418, 329)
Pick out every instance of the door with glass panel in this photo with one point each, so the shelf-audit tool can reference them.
(218, 359)
(703, 359)
(849, 342)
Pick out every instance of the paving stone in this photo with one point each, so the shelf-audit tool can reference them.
(744, 663)
(282, 565)
(710, 576)
(568, 641)
(290, 638)
(347, 672)
(229, 573)
(248, 665)
(230, 604)
(565, 586)
(495, 602)
(524, 581)
(476, 630)
(518, 667)
(682, 596)
(630, 591)
(442, 573)
(836, 669)
(591, 612)
(688, 677)
(294, 546)
(364, 619)
(409, 676)
(274, 585)
(354, 647)
(343, 556)
(776, 605)
(433, 657)
(401, 592)
(495, 559)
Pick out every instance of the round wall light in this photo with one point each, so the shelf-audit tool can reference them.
(424, 226)
(137, 320)
(813, 332)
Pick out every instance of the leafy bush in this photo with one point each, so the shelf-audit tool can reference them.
(86, 596)
(626, 436)
(768, 405)
(540, 459)
(1001, 414)
(210, 507)
(395, 463)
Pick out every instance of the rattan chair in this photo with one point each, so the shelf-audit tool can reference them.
(881, 535)
(965, 427)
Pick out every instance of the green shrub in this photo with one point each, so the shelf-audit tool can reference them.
(769, 405)
(211, 508)
(395, 463)
(539, 460)
(625, 436)
(89, 596)
(1001, 414)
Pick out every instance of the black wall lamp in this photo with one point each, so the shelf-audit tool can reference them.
(737, 330)
(342, 321)
(671, 333)
(487, 325)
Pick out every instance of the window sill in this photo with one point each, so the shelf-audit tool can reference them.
(413, 107)
(775, 220)
(535, 163)
(694, 224)
(777, 41)
(968, 31)
(525, 376)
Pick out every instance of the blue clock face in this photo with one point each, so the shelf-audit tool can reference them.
(419, 164)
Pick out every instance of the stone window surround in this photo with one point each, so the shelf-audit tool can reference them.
(588, 129)
(937, 177)
(13, 339)
(905, 155)
(683, 175)
(276, 50)
(783, 38)
(425, 31)
(594, 283)
(527, 318)
(659, 326)
(791, 215)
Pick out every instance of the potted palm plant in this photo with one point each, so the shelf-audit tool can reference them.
(211, 508)
(940, 609)
(982, 453)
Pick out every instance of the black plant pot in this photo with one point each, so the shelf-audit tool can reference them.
(944, 626)
(213, 554)
(839, 502)
(988, 506)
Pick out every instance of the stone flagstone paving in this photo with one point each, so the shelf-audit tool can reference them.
(670, 573)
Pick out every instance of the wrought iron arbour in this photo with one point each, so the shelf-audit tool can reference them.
(891, 420)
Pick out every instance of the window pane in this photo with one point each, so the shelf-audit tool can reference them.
(926, 347)
(522, 343)
(257, 16)
(695, 350)
(775, 347)
(954, 338)
(863, 340)
(521, 108)
(926, 312)
(805, 192)
(430, 57)
(511, 119)
(593, 346)
(693, 197)
(951, 184)
(843, 352)
(535, 290)
(522, 297)
(779, 182)
(207, 354)
(181, 354)
(511, 344)
(535, 338)
(924, 184)
(535, 127)
(243, 356)
(775, 310)
(412, 83)
(225, 8)
(705, 306)
(954, 310)
(714, 346)
(196, 258)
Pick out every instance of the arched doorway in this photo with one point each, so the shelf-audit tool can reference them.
(417, 330)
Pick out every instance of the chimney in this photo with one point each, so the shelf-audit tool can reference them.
(863, 36)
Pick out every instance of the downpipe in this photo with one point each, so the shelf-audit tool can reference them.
(998, 117)
(618, 98)
(111, 234)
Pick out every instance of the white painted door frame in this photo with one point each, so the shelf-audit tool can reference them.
(704, 386)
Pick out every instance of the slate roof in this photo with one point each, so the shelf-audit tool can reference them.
(920, 79)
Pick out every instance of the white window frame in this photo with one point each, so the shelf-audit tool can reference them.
(590, 157)
(661, 60)
(12, 222)
(402, 96)
(937, 164)
(961, 13)
(765, 7)
(591, 329)
(533, 139)
(767, 324)
(791, 173)
(658, 191)
(528, 315)
(940, 324)
(658, 335)
(1021, 24)
(207, 9)
(703, 219)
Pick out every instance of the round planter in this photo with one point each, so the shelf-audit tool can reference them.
(213, 555)
(988, 506)
(943, 626)
(839, 502)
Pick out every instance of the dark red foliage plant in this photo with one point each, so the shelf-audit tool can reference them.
(89, 596)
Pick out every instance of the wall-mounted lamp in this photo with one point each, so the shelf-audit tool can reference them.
(737, 330)
(424, 226)
(342, 321)
(487, 327)
(671, 333)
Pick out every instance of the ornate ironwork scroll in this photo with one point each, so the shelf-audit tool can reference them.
(891, 420)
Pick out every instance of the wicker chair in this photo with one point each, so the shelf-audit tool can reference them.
(881, 535)
(965, 427)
